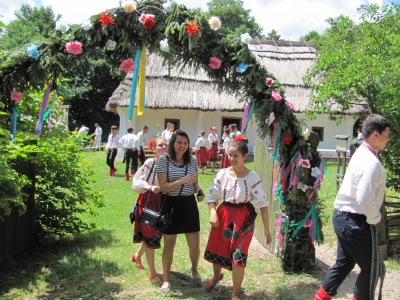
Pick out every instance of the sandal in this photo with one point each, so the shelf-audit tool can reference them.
(138, 262)
(155, 279)
(166, 287)
(196, 280)
(210, 284)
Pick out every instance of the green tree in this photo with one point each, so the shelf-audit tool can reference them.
(359, 65)
(234, 17)
(313, 37)
(273, 35)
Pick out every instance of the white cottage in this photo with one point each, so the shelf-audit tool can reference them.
(190, 100)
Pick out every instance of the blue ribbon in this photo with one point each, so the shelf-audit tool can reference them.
(135, 76)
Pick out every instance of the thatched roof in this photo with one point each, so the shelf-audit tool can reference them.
(188, 89)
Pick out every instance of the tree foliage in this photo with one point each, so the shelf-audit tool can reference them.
(273, 35)
(359, 64)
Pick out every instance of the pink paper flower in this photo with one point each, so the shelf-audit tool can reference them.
(305, 163)
(147, 20)
(215, 63)
(269, 81)
(15, 96)
(277, 97)
(291, 105)
(74, 47)
(128, 65)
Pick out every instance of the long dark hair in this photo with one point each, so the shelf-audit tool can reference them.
(171, 150)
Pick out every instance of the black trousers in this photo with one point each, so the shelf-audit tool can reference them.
(110, 158)
(142, 156)
(357, 244)
(131, 158)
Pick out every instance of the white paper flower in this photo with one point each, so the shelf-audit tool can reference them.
(164, 45)
(110, 45)
(271, 118)
(315, 172)
(215, 23)
(245, 38)
(302, 186)
(167, 7)
(129, 6)
(86, 25)
(62, 26)
(306, 134)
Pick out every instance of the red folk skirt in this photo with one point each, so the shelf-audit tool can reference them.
(142, 232)
(202, 156)
(228, 244)
(225, 163)
(213, 152)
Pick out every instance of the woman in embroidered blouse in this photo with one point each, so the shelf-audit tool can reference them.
(233, 222)
(145, 182)
(225, 163)
(202, 144)
(178, 178)
(213, 152)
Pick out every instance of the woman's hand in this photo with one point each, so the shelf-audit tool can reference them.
(268, 237)
(188, 179)
(214, 221)
(155, 189)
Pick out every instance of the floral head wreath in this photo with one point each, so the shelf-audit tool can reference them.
(239, 137)
(150, 144)
(213, 128)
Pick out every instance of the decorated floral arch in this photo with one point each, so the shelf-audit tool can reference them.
(185, 36)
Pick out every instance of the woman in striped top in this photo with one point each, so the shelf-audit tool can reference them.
(177, 177)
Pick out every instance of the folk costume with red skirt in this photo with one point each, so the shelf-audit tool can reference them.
(213, 152)
(146, 175)
(202, 153)
(228, 244)
(225, 163)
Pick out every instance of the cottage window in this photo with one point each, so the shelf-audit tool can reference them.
(319, 131)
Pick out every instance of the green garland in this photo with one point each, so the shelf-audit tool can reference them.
(20, 72)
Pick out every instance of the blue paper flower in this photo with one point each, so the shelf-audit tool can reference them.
(32, 51)
(242, 68)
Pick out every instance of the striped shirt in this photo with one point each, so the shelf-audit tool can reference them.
(177, 172)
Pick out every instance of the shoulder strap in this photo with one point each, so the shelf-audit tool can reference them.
(151, 170)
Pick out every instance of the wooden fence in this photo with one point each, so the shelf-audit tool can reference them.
(264, 166)
(16, 231)
(392, 204)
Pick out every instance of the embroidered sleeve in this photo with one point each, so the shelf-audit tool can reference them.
(257, 192)
(215, 190)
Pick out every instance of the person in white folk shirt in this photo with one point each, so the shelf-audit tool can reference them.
(141, 138)
(97, 136)
(213, 152)
(357, 210)
(202, 145)
(112, 150)
(128, 143)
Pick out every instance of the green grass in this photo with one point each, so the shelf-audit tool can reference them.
(96, 264)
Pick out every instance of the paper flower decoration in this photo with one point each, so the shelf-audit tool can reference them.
(315, 172)
(291, 105)
(302, 186)
(167, 7)
(74, 47)
(215, 23)
(164, 45)
(147, 20)
(128, 65)
(239, 137)
(86, 25)
(110, 45)
(306, 134)
(305, 163)
(271, 118)
(269, 81)
(277, 97)
(215, 63)
(15, 96)
(192, 29)
(245, 38)
(286, 139)
(129, 6)
(105, 19)
(242, 68)
(150, 144)
(62, 26)
(32, 51)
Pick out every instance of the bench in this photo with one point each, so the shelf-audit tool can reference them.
(148, 152)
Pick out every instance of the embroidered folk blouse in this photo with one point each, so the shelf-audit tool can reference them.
(139, 180)
(237, 190)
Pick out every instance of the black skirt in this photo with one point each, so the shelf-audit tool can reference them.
(186, 218)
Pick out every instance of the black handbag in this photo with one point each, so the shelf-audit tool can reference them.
(149, 217)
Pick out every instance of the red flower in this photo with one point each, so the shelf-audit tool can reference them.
(192, 29)
(270, 81)
(286, 139)
(147, 20)
(15, 96)
(239, 137)
(105, 19)
(150, 144)
(215, 63)
(128, 65)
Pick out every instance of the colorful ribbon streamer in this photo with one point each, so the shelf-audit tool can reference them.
(142, 79)
(48, 111)
(14, 118)
(276, 137)
(38, 129)
(247, 116)
(313, 227)
(135, 76)
(281, 239)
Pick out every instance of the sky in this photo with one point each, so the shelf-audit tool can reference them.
(291, 18)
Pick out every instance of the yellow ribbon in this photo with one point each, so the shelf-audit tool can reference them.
(142, 75)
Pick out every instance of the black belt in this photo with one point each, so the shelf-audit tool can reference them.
(352, 215)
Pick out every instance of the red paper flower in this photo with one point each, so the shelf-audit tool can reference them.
(192, 29)
(215, 63)
(269, 81)
(73, 47)
(305, 163)
(15, 96)
(105, 19)
(128, 65)
(150, 144)
(147, 20)
(239, 137)
(286, 139)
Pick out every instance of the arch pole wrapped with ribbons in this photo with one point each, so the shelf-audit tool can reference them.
(188, 37)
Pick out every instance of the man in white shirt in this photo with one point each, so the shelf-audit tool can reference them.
(141, 139)
(360, 136)
(166, 130)
(97, 136)
(128, 143)
(82, 135)
(357, 210)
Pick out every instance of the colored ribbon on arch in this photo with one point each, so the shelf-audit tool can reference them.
(14, 118)
(132, 95)
(39, 123)
(142, 80)
(247, 116)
